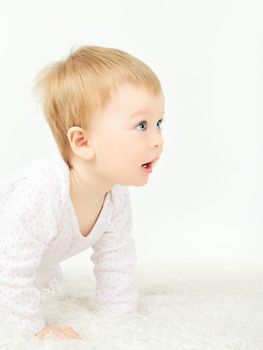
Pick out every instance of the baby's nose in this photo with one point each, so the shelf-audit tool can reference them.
(158, 141)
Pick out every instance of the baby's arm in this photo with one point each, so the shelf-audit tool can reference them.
(23, 239)
(114, 259)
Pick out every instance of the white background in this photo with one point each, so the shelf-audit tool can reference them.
(203, 202)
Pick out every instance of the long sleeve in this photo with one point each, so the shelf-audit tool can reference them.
(27, 224)
(114, 259)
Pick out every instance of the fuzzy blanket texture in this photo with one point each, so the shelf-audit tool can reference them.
(180, 308)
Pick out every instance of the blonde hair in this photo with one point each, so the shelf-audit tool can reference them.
(72, 89)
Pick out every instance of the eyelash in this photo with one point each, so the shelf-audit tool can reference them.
(160, 121)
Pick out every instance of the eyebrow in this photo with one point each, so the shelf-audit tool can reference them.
(141, 112)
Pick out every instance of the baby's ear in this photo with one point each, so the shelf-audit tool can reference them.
(79, 142)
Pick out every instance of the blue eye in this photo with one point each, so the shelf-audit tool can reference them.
(142, 123)
(160, 121)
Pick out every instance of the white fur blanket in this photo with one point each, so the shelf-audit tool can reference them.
(180, 308)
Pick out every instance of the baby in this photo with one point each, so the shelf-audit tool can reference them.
(104, 108)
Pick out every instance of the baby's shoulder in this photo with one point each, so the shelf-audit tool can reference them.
(120, 193)
(120, 197)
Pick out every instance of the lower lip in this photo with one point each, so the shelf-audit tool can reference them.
(147, 170)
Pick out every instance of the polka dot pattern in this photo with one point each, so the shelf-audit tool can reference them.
(39, 229)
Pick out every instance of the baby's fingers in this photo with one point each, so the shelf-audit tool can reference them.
(62, 335)
(59, 333)
(69, 331)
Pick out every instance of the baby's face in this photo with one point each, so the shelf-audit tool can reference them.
(128, 134)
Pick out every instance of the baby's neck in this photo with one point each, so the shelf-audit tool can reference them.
(86, 188)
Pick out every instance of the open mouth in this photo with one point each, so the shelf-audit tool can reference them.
(147, 165)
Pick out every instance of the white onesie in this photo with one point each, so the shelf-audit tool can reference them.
(39, 229)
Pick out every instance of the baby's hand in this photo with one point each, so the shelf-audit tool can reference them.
(60, 333)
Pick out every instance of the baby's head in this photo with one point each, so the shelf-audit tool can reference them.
(104, 107)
